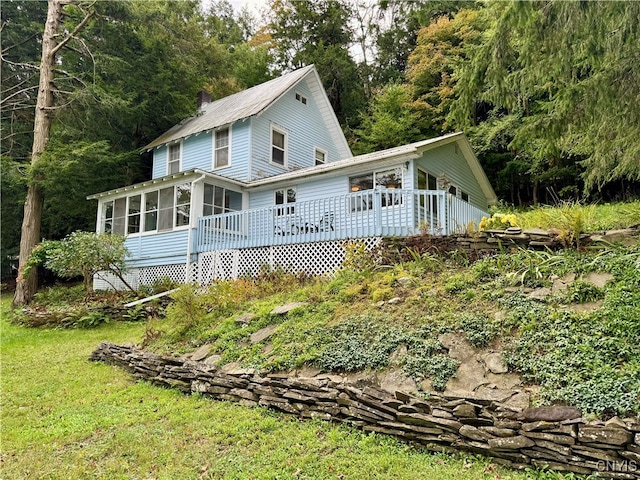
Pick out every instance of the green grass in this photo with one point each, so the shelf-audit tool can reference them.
(64, 417)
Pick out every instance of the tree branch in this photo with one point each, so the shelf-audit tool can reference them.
(76, 30)
(24, 90)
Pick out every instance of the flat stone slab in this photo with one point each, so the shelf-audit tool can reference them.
(598, 280)
(201, 353)
(245, 318)
(262, 334)
(495, 363)
(283, 309)
(550, 414)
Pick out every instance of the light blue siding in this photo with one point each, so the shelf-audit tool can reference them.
(445, 160)
(157, 249)
(320, 188)
(197, 152)
(159, 162)
(305, 130)
(239, 165)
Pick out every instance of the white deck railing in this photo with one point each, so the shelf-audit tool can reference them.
(369, 213)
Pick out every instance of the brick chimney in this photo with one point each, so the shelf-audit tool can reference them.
(203, 98)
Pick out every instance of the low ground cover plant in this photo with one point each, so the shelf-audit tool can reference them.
(348, 325)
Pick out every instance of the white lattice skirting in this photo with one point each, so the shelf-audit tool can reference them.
(311, 258)
(142, 276)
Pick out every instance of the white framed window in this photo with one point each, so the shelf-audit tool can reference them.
(220, 200)
(134, 207)
(221, 147)
(151, 211)
(278, 147)
(301, 98)
(426, 181)
(174, 151)
(286, 198)
(320, 156)
(107, 217)
(183, 204)
(119, 215)
(384, 179)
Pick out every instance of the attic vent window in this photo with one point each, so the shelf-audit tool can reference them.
(301, 98)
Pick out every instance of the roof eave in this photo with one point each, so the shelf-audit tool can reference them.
(189, 173)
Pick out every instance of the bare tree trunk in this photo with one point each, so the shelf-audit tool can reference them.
(26, 288)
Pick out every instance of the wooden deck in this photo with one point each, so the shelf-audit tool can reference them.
(364, 214)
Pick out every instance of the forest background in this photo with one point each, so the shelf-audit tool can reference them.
(548, 92)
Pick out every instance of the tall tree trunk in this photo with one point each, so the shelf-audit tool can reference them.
(26, 288)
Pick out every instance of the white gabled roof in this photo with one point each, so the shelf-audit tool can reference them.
(254, 101)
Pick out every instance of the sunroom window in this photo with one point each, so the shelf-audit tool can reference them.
(119, 215)
(220, 200)
(183, 204)
(133, 214)
(155, 210)
(151, 211)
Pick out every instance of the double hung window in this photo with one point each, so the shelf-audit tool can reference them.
(320, 157)
(278, 147)
(173, 158)
(221, 148)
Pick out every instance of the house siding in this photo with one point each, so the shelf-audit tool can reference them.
(305, 130)
(239, 167)
(445, 160)
(159, 162)
(163, 248)
(197, 152)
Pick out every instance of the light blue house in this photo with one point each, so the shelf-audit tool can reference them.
(265, 177)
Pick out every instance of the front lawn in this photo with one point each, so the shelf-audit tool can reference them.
(64, 417)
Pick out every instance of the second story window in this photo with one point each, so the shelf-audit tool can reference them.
(173, 158)
(320, 157)
(278, 147)
(221, 148)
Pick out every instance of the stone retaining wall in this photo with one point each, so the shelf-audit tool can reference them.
(556, 437)
(492, 241)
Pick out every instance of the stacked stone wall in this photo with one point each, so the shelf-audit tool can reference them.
(487, 242)
(554, 437)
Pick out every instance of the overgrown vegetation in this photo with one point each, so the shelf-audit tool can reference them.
(359, 320)
(570, 218)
